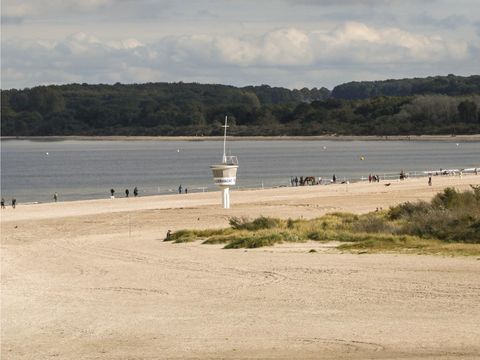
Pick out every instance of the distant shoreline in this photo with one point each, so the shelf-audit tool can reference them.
(448, 138)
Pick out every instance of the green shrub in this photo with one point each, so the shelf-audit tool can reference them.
(255, 241)
(408, 209)
(317, 235)
(451, 217)
(452, 199)
(221, 239)
(290, 223)
(183, 236)
(259, 223)
(373, 223)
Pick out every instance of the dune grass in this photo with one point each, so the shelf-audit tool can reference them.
(183, 236)
(448, 225)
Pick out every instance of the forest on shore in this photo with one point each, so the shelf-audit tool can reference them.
(433, 105)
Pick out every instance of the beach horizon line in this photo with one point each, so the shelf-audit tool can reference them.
(446, 138)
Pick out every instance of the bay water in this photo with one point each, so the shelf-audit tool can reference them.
(32, 171)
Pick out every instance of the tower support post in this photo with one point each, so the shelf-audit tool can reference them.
(226, 198)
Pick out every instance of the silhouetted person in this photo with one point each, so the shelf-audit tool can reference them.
(430, 180)
(112, 193)
(127, 192)
(55, 197)
(180, 189)
(186, 191)
(135, 191)
(3, 203)
(334, 178)
(14, 203)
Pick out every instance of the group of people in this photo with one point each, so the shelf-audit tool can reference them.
(14, 203)
(135, 192)
(309, 180)
(373, 178)
(127, 192)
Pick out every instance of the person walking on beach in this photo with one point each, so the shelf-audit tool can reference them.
(296, 181)
(135, 191)
(186, 191)
(3, 203)
(112, 193)
(334, 179)
(14, 203)
(55, 197)
(180, 189)
(430, 180)
(127, 192)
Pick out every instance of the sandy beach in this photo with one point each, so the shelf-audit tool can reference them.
(448, 138)
(94, 280)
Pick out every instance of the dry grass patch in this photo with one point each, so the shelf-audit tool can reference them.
(448, 225)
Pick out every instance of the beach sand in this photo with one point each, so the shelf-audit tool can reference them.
(448, 138)
(93, 280)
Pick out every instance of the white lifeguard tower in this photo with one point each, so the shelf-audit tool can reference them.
(225, 174)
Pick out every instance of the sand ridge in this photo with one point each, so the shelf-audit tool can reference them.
(93, 280)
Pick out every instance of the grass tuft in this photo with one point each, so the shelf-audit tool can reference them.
(449, 225)
(260, 223)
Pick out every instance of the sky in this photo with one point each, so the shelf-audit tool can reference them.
(288, 43)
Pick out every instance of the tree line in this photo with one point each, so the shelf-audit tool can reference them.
(447, 85)
(172, 109)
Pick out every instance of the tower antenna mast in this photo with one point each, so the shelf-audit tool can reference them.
(224, 159)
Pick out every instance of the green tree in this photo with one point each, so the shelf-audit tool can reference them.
(468, 111)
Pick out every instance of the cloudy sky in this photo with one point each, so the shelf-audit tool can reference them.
(290, 43)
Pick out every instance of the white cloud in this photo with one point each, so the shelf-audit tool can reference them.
(287, 47)
(362, 43)
(125, 44)
(284, 56)
(353, 42)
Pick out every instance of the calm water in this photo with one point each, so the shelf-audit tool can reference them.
(88, 169)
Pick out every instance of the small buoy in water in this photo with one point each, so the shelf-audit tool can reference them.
(324, 148)
(457, 144)
(46, 153)
(362, 157)
(178, 150)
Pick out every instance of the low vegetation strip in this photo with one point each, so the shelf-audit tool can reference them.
(447, 225)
